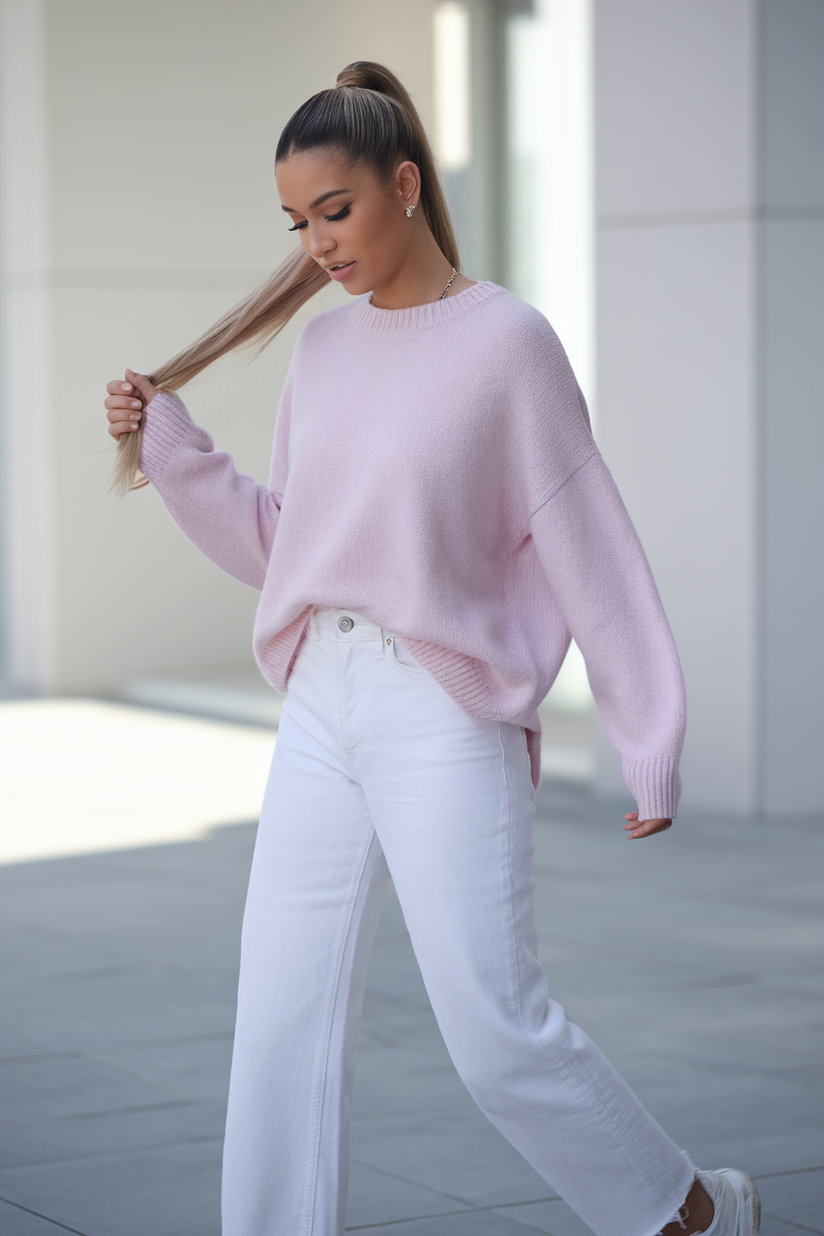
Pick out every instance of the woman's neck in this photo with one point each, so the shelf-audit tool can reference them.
(421, 279)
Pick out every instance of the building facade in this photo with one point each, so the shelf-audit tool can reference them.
(651, 176)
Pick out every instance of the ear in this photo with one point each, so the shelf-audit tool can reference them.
(408, 183)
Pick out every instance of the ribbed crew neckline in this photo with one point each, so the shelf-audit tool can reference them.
(369, 317)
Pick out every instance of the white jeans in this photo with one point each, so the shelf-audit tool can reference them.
(377, 771)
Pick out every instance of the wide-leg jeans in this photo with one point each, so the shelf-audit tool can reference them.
(377, 771)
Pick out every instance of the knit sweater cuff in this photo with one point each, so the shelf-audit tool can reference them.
(655, 784)
(167, 427)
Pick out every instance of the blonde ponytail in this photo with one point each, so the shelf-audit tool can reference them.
(366, 75)
(255, 320)
(368, 117)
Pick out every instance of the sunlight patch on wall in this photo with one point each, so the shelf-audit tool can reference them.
(550, 174)
(453, 127)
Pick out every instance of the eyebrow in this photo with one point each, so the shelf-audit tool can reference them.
(332, 193)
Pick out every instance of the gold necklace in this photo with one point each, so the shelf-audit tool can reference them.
(442, 295)
(449, 285)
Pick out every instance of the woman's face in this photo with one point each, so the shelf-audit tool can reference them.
(350, 224)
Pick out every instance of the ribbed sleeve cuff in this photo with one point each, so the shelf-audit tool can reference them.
(656, 786)
(167, 426)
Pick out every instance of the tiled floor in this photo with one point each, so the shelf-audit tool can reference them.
(693, 959)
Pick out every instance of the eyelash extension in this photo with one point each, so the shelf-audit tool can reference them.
(329, 219)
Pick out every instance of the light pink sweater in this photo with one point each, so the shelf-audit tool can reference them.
(434, 470)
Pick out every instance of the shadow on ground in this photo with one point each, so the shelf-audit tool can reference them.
(693, 959)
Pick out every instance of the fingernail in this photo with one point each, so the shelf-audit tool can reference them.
(126, 386)
(135, 403)
(134, 416)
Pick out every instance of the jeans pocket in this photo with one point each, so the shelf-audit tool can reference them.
(403, 658)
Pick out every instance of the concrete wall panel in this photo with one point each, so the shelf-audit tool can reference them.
(792, 515)
(708, 113)
(675, 134)
(162, 124)
(791, 105)
(133, 596)
(165, 118)
(675, 395)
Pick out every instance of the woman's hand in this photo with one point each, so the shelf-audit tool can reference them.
(644, 828)
(125, 402)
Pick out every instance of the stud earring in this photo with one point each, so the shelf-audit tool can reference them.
(409, 210)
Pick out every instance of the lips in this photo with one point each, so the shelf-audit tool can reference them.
(340, 270)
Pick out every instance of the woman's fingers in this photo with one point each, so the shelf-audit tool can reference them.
(124, 413)
(125, 405)
(144, 386)
(119, 427)
(125, 401)
(644, 828)
(119, 386)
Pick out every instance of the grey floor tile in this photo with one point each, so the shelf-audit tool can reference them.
(195, 1066)
(17, 1038)
(67, 1106)
(469, 1223)
(390, 1020)
(101, 1009)
(375, 1197)
(456, 1152)
(553, 1216)
(770, 1226)
(72, 1088)
(17, 1222)
(808, 1077)
(725, 1044)
(394, 1080)
(29, 953)
(101, 1132)
(756, 1122)
(167, 1191)
(693, 960)
(796, 1197)
(556, 1219)
(145, 897)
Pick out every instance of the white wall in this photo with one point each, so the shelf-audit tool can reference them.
(709, 305)
(161, 121)
(138, 202)
(26, 492)
(791, 402)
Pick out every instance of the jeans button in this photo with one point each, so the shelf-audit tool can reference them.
(345, 623)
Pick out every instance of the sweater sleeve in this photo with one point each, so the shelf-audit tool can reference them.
(227, 514)
(600, 578)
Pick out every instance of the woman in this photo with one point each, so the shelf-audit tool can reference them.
(438, 521)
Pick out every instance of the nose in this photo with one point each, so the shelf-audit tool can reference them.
(319, 242)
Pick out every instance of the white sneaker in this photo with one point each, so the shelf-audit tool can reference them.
(736, 1202)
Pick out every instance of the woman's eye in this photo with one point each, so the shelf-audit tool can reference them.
(329, 219)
